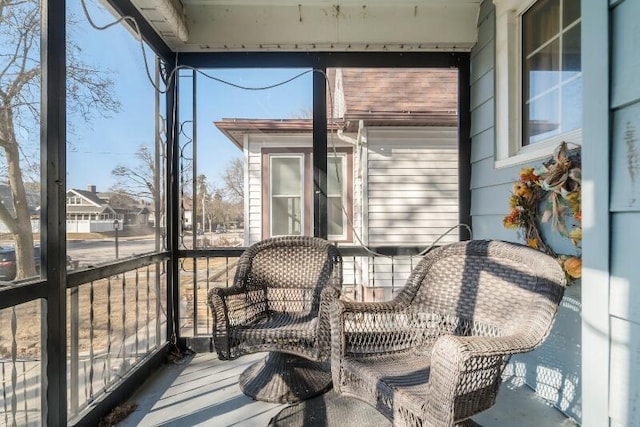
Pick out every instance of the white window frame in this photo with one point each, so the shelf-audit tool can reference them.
(300, 158)
(508, 91)
(343, 196)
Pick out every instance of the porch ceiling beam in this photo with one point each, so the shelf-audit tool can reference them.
(338, 26)
(321, 59)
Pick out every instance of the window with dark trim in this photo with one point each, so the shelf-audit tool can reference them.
(287, 195)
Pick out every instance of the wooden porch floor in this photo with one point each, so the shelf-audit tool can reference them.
(203, 391)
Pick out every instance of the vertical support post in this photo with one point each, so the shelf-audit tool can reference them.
(320, 228)
(194, 169)
(596, 222)
(74, 351)
(53, 227)
(194, 138)
(156, 159)
(157, 200)
(173, 206)
(464, 145)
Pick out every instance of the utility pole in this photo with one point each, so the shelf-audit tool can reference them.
(116, 226)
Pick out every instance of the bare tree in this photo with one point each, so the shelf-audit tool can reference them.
(219, 208)
(233, 178)
(139, 180)
(89, 92)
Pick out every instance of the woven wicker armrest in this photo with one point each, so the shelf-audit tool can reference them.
(327, 297)
(368, 329)
(224, 292)
(478, 346)
(236, 306)
(464, 367)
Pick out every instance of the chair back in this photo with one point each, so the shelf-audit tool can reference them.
(486, 288)
(292, 271)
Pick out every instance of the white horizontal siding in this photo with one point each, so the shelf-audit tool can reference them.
(426, 186)
(413, 164)
(434, 223)
(255, 192)
(415, 195)
(418, 170)
(388, 209)
(412, 185)
(424, 180)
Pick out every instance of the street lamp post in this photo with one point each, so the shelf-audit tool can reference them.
(116, 226)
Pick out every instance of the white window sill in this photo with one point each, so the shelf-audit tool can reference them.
(540, 150)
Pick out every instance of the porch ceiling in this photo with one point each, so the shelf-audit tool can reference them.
(317, 25)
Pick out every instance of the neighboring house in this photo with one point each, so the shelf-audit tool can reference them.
(392, 167)
(32, 191)
(131, 211)
(186, 212)
(90, 211)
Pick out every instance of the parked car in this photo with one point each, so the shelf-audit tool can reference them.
(8, 262)
(220, 229)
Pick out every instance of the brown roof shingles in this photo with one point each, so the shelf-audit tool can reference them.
(390, 96)
(397, 94)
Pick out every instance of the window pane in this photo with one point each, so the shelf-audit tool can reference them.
(571, 11)
(286, 216)
(334, 175)
(20, 80)
(286, 183)
(543, 70)
(286, 176)
(335, 218)
(571, 64)
(115, 142)
(335, 198)
(572, 97)
(543, 117)
(540, 23)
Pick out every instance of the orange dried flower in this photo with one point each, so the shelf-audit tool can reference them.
(532, 243)
(528, 175)
(512, 220)
(573, 267)
(520, 189)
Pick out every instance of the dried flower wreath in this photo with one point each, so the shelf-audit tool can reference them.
(550, 192)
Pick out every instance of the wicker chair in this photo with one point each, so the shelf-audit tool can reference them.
(279, 303)
(434, 355)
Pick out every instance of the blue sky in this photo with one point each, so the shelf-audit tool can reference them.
(96, 148)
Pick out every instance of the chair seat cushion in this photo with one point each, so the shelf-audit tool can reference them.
(403, 378)
(281, 326)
